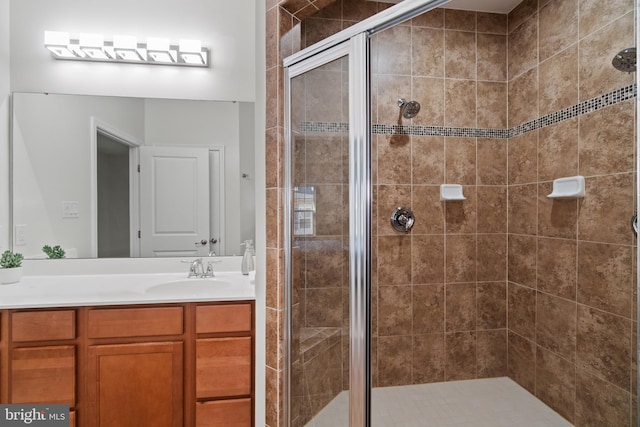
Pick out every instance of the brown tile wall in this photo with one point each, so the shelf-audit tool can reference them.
(440, 291)
(282, 39)
(439, 298)
(442, 296)
(571, 262)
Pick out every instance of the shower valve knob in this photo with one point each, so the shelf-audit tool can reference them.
(402, 219)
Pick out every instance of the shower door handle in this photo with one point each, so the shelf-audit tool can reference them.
(634, 223)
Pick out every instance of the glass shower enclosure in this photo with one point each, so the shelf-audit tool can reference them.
(328, 226)
(467, 118)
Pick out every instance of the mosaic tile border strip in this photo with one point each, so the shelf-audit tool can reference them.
(614, 97)
(588, 106)
(440, 131)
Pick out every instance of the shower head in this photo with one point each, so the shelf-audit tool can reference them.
(625, 60)
(408, 109)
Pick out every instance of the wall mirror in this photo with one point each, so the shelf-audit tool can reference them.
(106, 176)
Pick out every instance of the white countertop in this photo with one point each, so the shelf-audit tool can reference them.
(129, 284)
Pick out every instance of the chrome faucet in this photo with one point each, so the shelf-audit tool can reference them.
(209, 272)
(196, 269)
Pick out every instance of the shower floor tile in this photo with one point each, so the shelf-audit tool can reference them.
(494, 402)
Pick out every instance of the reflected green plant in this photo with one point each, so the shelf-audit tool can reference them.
(55, 252)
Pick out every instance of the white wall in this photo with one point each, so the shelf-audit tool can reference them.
(55, 165)
(226, 27)
(4, 125)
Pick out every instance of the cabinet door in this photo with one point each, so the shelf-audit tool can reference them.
(223, 367)
(135, 385)
(224, 413)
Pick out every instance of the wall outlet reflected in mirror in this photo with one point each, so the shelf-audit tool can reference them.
(20, 235)
(70, 210)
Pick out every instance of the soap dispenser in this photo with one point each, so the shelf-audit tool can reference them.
(247, 258)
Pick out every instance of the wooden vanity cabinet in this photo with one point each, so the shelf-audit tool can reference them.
(135, 384)
(224, 413)
(42, 357)
(135, 366)
(224, 365)
(43, 375)
(168, 365)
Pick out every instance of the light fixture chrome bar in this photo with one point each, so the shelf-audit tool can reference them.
(189, 53)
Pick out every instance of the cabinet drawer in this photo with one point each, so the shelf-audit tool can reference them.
(223, 318)
(223, 367)
(135, 322)
(43, 325)
(43, 375)
(224, 413)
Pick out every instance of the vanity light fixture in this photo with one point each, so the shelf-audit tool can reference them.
(158, 50)
(191, 52)
(92, 45)
(58, 43)
(126, 49)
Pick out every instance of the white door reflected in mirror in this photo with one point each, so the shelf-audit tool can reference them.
(175, 194)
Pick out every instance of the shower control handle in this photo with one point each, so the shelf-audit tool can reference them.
(402, 219)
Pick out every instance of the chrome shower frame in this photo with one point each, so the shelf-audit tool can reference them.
(637, 150)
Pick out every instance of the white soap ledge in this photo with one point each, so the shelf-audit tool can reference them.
(451, 192)
(569, 187)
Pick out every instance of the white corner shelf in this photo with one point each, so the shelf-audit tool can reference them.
(568, 187)
(451, 192)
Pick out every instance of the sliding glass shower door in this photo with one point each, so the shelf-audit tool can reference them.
(326, 240)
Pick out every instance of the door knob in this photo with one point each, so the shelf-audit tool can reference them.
(202, 242)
